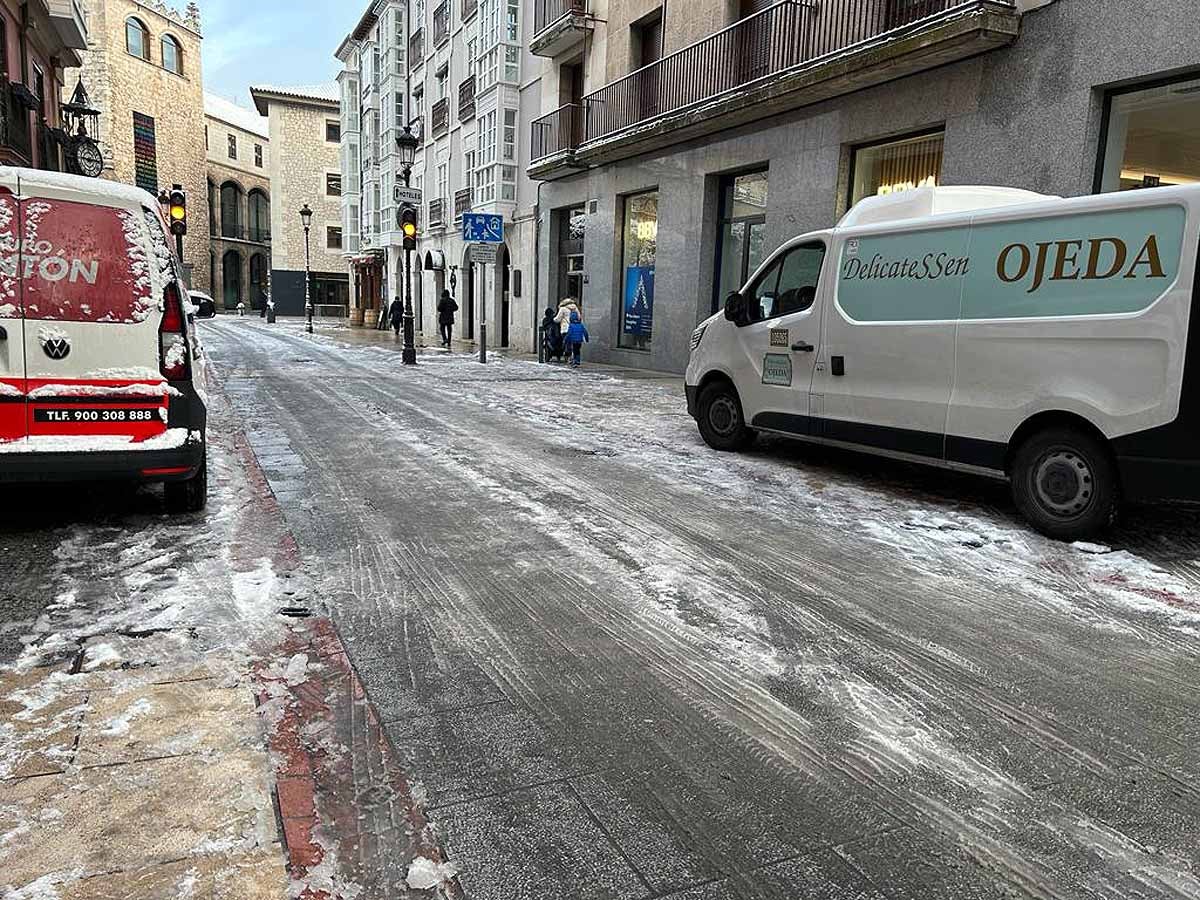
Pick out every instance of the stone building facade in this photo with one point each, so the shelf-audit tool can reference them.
(239, 202)
(305, 132)
(668, 183)
(142, 70)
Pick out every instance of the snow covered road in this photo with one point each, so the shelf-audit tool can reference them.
(624, 666)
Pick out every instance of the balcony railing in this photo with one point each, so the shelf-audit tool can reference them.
(437, 213)
(439, 117)
(547, 12)
(462, 202)
(416, 48)
(230, 232)
(469, 8)
(441, 23)
(748, 54)
(466, 99)
(557, 132)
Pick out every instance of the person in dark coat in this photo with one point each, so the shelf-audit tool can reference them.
(396, 315)
(446, 309)
(552, 336)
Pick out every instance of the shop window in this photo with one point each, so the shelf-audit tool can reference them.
(1153, 137)
(896, 166)
(639, 248)
(743, 232)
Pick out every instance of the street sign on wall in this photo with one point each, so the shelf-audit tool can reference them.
(483, 228)
(483, 254)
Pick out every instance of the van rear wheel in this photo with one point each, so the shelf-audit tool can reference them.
(1064, 482)
(722, 424)
(189, 496)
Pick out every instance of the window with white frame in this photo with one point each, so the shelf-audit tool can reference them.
(508, 183)
(399, 108)
(512, 22)
(468, 168)
(472, 55)
(443, 180)
(485, 176)
(440, 86)
(508, 150)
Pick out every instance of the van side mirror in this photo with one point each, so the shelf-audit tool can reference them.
(735, 308)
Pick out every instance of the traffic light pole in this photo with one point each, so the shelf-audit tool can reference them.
(482, 313)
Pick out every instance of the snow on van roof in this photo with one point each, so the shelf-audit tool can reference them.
(98, 189)
(935, 201)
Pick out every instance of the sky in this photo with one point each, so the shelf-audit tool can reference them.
(279, 42)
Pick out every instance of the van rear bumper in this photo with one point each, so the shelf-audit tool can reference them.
(1145, 479)
(175, 464)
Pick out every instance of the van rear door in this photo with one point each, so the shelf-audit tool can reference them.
(92, 278)
(12, 321)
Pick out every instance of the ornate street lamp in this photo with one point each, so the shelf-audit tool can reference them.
(406, 150)
(306, 216)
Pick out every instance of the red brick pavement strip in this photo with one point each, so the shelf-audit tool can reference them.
(345, 787)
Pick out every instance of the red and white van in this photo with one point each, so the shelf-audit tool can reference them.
(101, 375)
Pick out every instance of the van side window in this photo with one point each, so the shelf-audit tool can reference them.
(789, 285)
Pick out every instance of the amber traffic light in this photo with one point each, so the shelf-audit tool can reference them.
(177, 212)
(408, 226)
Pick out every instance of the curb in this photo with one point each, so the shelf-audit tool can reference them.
(318, 729)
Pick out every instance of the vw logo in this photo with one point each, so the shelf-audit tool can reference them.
(57, 348)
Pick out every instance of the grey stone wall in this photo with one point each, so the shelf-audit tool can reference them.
(1027, 116)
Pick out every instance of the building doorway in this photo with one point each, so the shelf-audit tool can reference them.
(504, 286)
(231, 280)
(742, 240)
(571, 229)
(468, 306)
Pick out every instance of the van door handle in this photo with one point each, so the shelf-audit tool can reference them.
(801, 347)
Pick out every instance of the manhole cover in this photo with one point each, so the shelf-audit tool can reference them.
(579, 451)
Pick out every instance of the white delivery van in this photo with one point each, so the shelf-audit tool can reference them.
(1043, 340)
(100, 372)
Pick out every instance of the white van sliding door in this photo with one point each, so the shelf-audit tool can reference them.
(12, 320)
(887, 362)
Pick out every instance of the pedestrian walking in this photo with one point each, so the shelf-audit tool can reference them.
(552, 336)
(396, 315)
(446, 309)
(577, 336)
(566, 308)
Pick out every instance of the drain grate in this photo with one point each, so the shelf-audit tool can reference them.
(295, 612)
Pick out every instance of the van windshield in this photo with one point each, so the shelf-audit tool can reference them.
(78, 262)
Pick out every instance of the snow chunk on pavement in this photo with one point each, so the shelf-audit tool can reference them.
(424, 874)
(1093, 549)
(120, 725)
(297, 670)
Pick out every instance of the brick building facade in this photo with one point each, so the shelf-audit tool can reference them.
(239, 202)
(142, 71)
(307, 122)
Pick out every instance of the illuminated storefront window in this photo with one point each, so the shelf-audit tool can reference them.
(639, 247)
(1153, 137)
(896, 166)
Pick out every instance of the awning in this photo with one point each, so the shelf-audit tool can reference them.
(435, 261)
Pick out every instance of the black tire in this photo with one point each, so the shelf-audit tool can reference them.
(1064, 482)
(719, 415)
(189, 496)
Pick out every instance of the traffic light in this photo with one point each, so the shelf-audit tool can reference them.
(408, 225)
(177, 211)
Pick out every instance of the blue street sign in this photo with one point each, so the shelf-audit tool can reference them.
(483, 228)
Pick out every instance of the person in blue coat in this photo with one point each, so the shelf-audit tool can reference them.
(577, 336)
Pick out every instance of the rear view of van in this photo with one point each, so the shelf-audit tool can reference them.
(100, 377)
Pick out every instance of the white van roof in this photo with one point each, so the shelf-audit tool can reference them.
(933, 201)
(99, 191)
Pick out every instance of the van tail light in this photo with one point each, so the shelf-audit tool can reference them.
(172, 337)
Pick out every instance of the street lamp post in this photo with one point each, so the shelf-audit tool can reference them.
(306, 215)
(406, 149)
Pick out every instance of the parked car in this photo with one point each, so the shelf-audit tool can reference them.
(205, 306)
(101, 375)
(1047, 341)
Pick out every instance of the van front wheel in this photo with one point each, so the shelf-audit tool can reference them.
(1064, 482)
(720, 418)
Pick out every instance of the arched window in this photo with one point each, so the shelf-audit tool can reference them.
(172, 55)
(231, 210)
(260, 217)
(231, 279)
(137, 38)
(258, 280)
